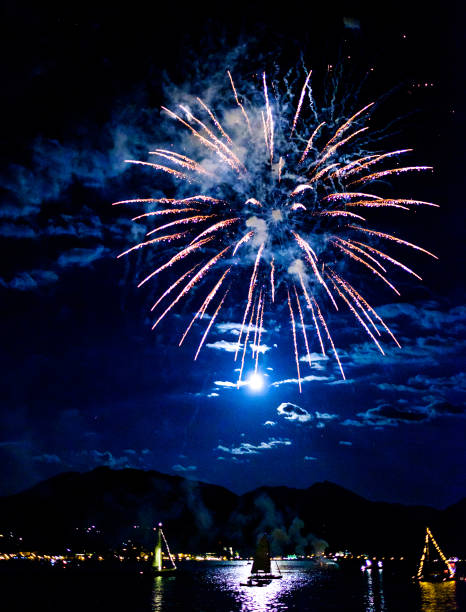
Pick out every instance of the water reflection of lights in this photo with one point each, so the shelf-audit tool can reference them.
(438, 596)
(260, 599)
(375, 598)
(160, 586)
(157, 594)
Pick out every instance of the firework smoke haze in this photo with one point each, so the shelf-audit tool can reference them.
(273, 184)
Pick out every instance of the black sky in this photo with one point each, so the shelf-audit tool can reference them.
(86, 382)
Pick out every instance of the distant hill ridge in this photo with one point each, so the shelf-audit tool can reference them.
(198, 516)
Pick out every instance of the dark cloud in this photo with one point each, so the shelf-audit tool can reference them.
(390, 415)
(442, 408)
(28, 281)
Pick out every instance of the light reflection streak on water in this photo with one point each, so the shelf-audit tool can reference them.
(438, 596)
(382, 597)
(157, 593)
(374, 598)
(370, 607)
(261, 599)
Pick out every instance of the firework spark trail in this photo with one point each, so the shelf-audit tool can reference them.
(167, 211)
(371, 268)
(245, 115)
(269, 121)
(293, 327)
(387, 257)
(310, 256)
(324, 324)
(168, 238)
(175, 173)
(245, 346)
(214, 316)
(302, 325)
(181, 160)
(250, 294)
(322, 178)
(339, 213)
(300, 103)
(348, 195)
(347, 124)
(199, 199)
(261, 320)
(394, 238)
(243, 240)
(172, 286)
(200, 313)
(355, 297)
(310, 142)
(395, 203)
(342, 172)
(181, 255)
(217, 142)
(259, 305)
(369, 308)
(339, 144)
(216, 227)
(210, 145)
(320, 174)
(382, 173)
(375, 159)
(353, 247)
(191, 283)
(195, 219)
(214, 119)
(311, 307)
(353, 310)
(377, 204)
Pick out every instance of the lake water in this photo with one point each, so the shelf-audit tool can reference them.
(216, 587)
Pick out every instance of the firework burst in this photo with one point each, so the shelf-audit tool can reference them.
(279, 194)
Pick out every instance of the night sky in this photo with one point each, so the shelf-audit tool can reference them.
(85, 382)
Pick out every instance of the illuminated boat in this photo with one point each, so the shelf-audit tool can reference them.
(157, 561)
(432, 567)
(261, 572)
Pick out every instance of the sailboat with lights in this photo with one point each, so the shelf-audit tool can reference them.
(157, 561)
(434, 567)
(261, 572)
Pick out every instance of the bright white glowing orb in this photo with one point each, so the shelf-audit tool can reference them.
(256, 382)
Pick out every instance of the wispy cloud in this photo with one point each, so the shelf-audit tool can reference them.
(184, 468)
(292, 412)
(294, 381)
(246, 448)
(81, 257)
(325, 416)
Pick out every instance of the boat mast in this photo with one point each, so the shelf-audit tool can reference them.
(157, 561)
